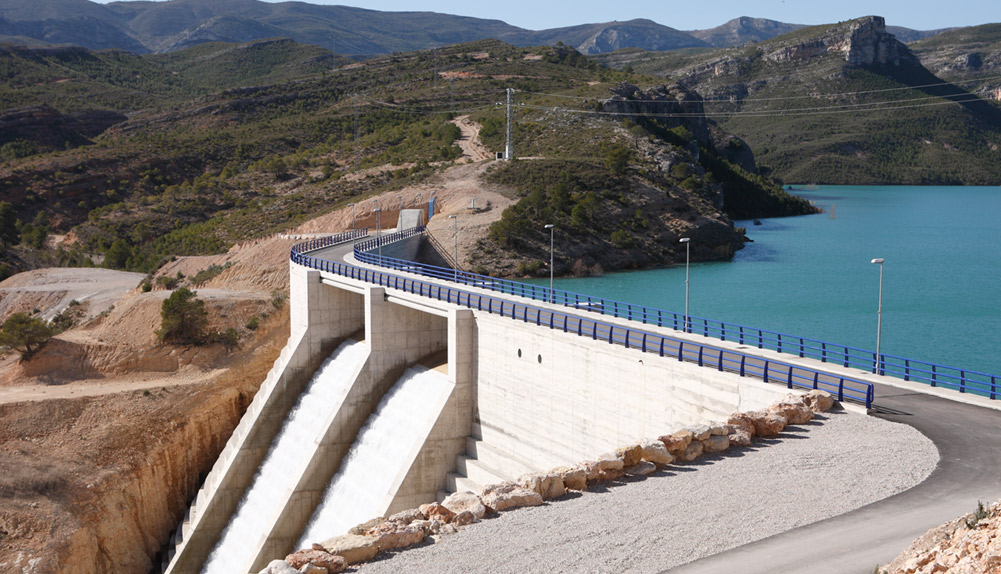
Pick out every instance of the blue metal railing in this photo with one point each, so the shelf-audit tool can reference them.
(935, 375)
(793, 376)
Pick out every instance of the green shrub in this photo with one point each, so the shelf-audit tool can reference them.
(25, 334)
(253, 324)
(184, 318)
(621, 238)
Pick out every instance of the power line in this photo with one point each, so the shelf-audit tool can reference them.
(812, 96)
(760, 113)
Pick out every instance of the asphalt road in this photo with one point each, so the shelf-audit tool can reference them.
(969, 470)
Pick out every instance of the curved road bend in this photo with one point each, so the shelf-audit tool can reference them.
(969, 470)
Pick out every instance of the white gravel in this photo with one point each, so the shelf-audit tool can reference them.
(838, 462)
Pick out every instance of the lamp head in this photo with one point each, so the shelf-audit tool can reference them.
(878, 260)
(550, 226)
(685, 240)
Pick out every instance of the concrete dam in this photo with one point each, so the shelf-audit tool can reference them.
(397, 387)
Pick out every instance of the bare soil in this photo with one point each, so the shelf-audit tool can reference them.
(105, 432)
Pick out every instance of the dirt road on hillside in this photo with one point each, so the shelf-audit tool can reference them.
(470, 142)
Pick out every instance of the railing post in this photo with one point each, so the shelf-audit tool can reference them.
(934, 377)
(823, 352)
(764, 374)
(801, 347)
(962, 381)
(681, 346)
(816, 376)
(740, 338)
(701, 351)
(907, 370)
(662, 349)
(841, 390)
(743, 363)
(789, 381)
(994, 386)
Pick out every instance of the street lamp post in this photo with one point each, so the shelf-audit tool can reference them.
(378, 231)
(551, 228)
(455, 241)
(687, 242)
(400, 197)
(352, 206)
(420, 219)
(879, 318)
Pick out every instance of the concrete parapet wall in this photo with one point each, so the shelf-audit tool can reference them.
(404, 249)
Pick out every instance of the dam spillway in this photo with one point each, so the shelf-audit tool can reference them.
(364, 486)
(291, 449)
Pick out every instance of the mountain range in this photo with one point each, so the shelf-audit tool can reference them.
(143, 27)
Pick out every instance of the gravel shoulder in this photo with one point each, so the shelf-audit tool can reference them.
(684, 513)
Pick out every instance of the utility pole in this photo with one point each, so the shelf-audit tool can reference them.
(508, 149)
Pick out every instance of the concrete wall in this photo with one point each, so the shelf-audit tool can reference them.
(320, 319)
(406, 249)
(397, 337)
(446, 440)
(568, 398)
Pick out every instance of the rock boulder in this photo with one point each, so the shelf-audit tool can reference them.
(321, 558)
(353, 548)
(507, 495)
(460, 502)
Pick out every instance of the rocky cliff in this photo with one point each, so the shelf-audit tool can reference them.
(861, 42)
(671, 105)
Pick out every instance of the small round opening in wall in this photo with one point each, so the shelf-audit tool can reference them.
(540, 359)
(519, 353)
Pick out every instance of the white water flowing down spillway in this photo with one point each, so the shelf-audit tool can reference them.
(290, 451)
(383, 450)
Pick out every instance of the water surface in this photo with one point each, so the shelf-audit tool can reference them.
(811, 276)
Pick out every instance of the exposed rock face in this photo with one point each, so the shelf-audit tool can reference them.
(967, 545)
(661, 102)
(862, 42)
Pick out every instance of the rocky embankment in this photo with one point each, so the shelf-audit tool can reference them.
(433, 520)
(967, 545)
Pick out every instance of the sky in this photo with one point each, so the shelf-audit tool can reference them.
(540, 15)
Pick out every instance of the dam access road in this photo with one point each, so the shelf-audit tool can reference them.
(963, 429)
(969, 470)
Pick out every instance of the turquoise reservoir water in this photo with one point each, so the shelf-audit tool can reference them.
(811, 276)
